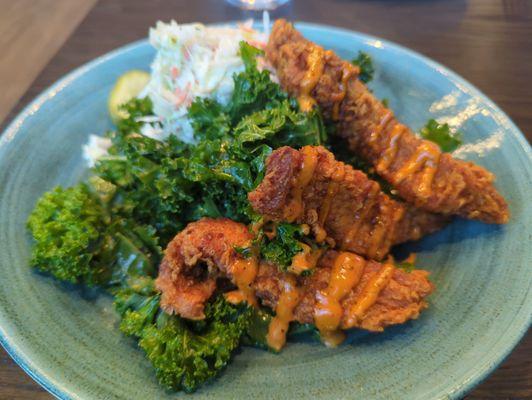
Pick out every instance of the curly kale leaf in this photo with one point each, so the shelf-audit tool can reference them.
(282, 248)
(134, 109)
(280, 126)
(69, 228)
(254, 90)
(185, 354)
(365, 63)
(406, 266)
(209, 119)
(76, 240)
(150, 186)
(441, 135)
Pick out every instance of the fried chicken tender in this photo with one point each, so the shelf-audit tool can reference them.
(337, 201)
(193, 261)
(401, 299)
(345, 290)
(420, 172)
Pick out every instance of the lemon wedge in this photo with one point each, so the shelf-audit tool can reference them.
(127, 86)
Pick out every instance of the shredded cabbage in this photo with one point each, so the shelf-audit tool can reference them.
(192, 60)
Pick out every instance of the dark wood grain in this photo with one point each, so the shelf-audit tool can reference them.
(487, 42)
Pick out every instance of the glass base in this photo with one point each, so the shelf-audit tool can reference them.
(257, 4)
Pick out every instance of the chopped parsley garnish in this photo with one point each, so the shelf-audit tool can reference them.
(365, 63)
(441, 135)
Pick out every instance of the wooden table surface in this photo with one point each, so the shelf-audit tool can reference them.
(487, 42)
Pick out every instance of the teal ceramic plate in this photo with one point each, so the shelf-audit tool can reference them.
(67, 339)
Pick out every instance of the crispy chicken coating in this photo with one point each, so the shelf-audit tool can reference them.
(366, 294)
(402, 298)
(420, 172)
(193, 261)
(337, 201)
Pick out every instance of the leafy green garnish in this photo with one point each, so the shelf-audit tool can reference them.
(365, 63)
(69, 227)
(284, 246)
(441, 135)
(254, 90)
(76, 240)
(184, 354)
(406, 266)
(257, 330)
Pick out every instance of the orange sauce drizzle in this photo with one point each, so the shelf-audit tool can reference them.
(325, 208)
(312, 76)
(284, 314)
(411, 258)
(374, 136)
(295, 207)
(346, 273)
(379, 230)
(305, 259)
(256, 226)
(244, 271)
(427, 156)
(347, 73)
(369, 295)
(391, 148)
(332, 338)
(362, 214)
(235, 297)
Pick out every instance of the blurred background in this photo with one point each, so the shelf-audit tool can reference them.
(488, 42)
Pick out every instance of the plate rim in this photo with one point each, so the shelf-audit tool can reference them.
(461, 388)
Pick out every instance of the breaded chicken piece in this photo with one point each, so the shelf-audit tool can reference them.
(194, 259)
(337, 201)
(345, 290)
(421, 173)
(401, 299)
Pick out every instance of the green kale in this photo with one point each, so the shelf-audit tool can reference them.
(135, 108)
(209, 119)
(406, 266)
(441, 135)
(69, 228)
(185, 354)
(282, 248)
(77, 240)
(364, 62)
(134, 253)
(254, 90)
(249, 55)
(257, 329)
(280, 126)
(149, 178)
